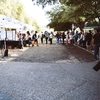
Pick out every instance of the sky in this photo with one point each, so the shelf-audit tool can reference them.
(36, 12)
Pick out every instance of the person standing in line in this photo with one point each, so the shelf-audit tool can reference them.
(71, 38)
(63, 36)
(20, 44)
(1, 46)
(28, 37)
(83, 39)
(57, 38)
(88, 40)
(67, 37)
(75, 37)
(46, 34)
(60, 37)
(80, 38)
(41, 36)
(96, 43)
(50, 37)
(35, 39)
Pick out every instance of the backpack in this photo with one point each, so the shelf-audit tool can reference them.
(34, 36)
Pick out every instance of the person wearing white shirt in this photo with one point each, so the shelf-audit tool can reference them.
(50, 37)
(71, 38)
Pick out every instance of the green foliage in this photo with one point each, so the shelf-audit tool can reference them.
(76, 11)
(44, 2)
(15, 9)
(85, 10)
(61, 26)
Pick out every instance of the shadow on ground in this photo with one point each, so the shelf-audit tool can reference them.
(50, 54)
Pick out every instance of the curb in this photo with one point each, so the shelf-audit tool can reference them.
(83, 48)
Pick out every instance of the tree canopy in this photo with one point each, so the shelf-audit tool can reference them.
(15, 9)
(44, 2)
(76, 11)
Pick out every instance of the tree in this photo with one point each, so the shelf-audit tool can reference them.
(61, 26)
(9, 9)
(56, 20)
(85, 10)
(76, 11)
(44, 2)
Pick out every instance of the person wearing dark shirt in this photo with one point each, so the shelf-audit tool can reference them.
(63, 36)
(42, 36)
(88, 40)
(35, 39)
(57, 38)
(96, 42)
(46, 34)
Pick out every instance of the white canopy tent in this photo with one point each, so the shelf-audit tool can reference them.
(8, 29)
(11, 23)
(7, 22)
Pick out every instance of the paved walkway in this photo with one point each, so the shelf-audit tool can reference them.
(21, 79)
(46, 81)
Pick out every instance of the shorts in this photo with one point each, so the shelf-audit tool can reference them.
(35, 40)
(88, 43)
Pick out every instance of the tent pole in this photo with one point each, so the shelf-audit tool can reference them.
(5, 45)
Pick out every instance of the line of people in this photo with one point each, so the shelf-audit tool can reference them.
(89, 40)
(32, 39)
(48, 36)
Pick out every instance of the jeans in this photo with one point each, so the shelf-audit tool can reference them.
(50, 40)
(46, 38)
(57, 40)
(41, 40)
(96, 51)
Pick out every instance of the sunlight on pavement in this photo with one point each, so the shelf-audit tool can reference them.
(71, 60)
(13, 53)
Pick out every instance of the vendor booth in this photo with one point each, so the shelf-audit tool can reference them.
(9, 28)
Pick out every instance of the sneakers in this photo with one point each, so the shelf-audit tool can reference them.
(2, 56)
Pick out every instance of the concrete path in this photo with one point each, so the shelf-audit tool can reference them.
(49, 81)
(49, 72)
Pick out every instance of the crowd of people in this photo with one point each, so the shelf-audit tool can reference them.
(32, 38)
(89, 40)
